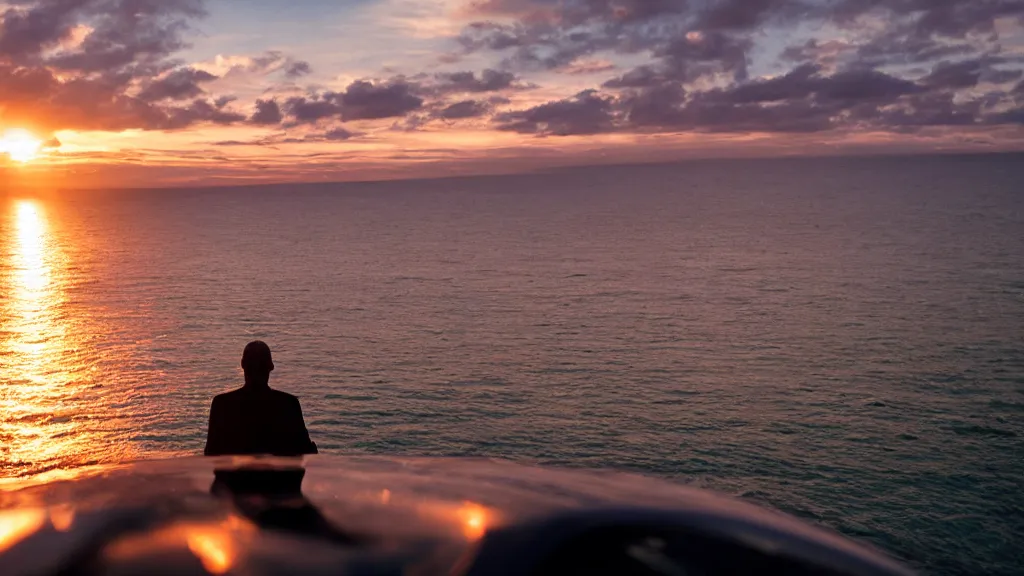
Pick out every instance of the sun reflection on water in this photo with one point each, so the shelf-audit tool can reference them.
(42, 348)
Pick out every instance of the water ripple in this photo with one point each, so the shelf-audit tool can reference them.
(819, 338)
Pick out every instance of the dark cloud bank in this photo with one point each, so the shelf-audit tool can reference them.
(109, 65)
(119, 76)
(924, 64)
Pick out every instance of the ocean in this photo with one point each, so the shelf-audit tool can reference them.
(841, 339)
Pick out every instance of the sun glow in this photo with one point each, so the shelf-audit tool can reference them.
(16, 525)
(220, 546)
(475, 520)
(20, 145)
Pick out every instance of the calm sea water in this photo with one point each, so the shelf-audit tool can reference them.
(840, 339)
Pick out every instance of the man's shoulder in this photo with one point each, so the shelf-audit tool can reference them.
(245, 396)
(227, 396)
(283, 396)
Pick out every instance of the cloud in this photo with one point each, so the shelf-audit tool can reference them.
(181, 84)
(361, 100)
(464, 109)
(303, 110)
(922, 31)
(124, 33)
(697, 76)
(26, 32)
(804, 100)
(449, 112)
(117, 74)
(493, 36)
(531, 46)
(999, 76)
(607, 66)
(269, 61)
(691, 57)
(826, 53)
(658, 105)
(365, 100)
(800, 82)
(684, 42)
(555, 34)
(587, 67)
(119, 31)
(198, 111)
(896, 48)
(736, 15)
(267, 113)
(488, 81)
(926, 18)
(264, 64)
(928, 110)
(698, 54)
(335, 134)
(110, 65)
(239, 143)
(860, 86)
(338, 134)
(708, 113)
(94, 103)
(297, 69)
(956, 75)
(577, 12)
(223, 101)
(639, 77)
(585, 113)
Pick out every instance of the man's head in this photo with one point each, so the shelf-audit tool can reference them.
(256, 359)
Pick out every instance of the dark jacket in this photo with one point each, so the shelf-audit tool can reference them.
(257, 421)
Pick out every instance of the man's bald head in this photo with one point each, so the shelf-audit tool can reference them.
(256, 358)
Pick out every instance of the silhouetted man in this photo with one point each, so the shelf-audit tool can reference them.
(256, 419)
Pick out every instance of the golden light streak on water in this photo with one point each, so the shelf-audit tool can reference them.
(46, 414)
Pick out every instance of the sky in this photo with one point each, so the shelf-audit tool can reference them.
(137, 93)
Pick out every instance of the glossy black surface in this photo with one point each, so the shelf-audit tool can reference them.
(398, 516)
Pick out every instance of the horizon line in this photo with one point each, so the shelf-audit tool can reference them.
(540, 170)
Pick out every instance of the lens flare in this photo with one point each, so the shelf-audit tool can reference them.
(16, 525)
(214, 549)
(219, 545)
(475, 520)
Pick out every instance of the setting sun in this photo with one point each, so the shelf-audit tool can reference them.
(20, 145)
